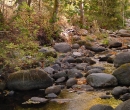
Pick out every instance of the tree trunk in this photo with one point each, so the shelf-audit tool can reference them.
(1, 20)
(55, 11)
(81, 6)
(29, 2)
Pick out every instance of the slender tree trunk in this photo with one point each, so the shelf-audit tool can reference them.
(55, 11)
(29, 2)
(81, 6)
(1, 20)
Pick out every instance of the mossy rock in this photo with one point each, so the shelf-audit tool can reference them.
(123, 74)
(28, 80)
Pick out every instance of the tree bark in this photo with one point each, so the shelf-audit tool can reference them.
(81, 6)
(55, 11)
(29, 2)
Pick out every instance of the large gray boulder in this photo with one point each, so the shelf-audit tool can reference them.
(62, 47)
(101, 107)
(28, 80)
(121, 58)
(123, 74)
(124, 105)
(101, 80)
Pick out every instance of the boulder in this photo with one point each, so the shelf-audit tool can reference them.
(101, 80)
(74, 73)
(60, 74)
(29, 79)
(97, 48)
(53, 89)
(70, 82)
(123, 74)
(121, 58)
(81, 66)
(101, 107)
(62, 47)
(49, 70)
(115, 44)
(118, 91)
(124, 105)
(75, 46)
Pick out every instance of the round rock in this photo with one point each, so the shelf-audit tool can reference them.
(123, 74)
(101, 80)
(29, 79)
(62, 47)
(53, 89)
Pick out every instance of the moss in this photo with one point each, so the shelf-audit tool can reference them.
(112, 102)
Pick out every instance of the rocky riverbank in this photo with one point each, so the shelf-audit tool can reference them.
(82, 72)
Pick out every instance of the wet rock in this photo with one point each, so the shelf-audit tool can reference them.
(60, 74)
(60, 80)
(87, 88)
(53, 89)
(49, 70)
(122, 58)
(97, 49)
(78, 60)
(125, 97)
(82, 66)
(123, 74)
(62, 47)
(51, 95)
(39, 99)
(88, 60)
(95, 70)
(118, 91)
(56, 67)
(74, 73)
(69, 59)
(101, 80)
(29, 79)
(101, 107)
(70, 82)
(75, 46)
(115, 44)
(105, 97)
(124, 105)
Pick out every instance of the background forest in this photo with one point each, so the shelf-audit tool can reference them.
(23, 21)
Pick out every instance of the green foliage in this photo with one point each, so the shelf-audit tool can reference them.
(105, 41)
